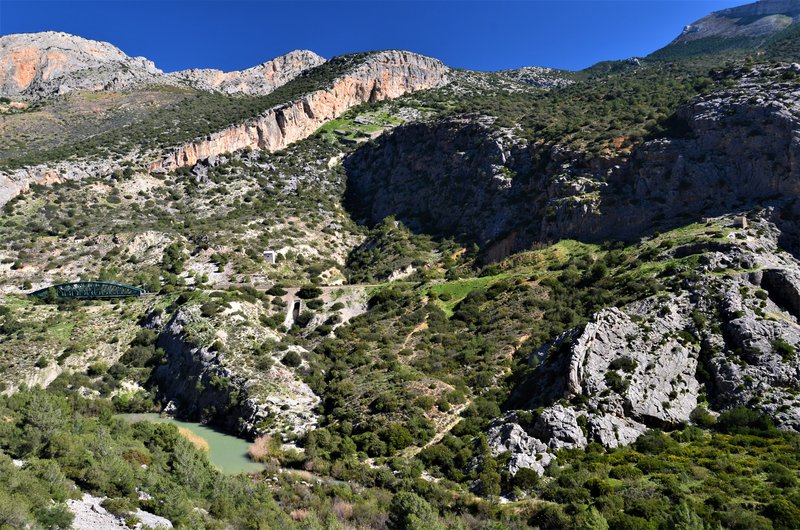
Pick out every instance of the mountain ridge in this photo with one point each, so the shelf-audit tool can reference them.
(421, 291)
(48, 63)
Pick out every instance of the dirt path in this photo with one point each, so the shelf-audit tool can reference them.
(439, 436)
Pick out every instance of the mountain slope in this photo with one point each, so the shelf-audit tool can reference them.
(205, 125)
(742, 28)
(423, 292)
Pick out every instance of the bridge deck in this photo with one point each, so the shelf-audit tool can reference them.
(90, 290)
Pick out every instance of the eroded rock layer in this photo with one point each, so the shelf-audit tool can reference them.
(384, 75)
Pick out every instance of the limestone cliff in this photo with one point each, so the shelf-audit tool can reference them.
(462, 177)
(41, 64)
(258, 80)
(383, 75)
(729, 339)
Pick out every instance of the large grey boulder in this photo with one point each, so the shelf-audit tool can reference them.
(732, 338)
(526, 451)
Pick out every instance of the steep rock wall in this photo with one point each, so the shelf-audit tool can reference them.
(198, 384)
(258, 80)
(647, 364)
(384, 75)
(463, 178)
(47, 63)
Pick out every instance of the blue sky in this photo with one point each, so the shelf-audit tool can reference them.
(481, 35)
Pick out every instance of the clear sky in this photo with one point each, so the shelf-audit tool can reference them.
(480, 35)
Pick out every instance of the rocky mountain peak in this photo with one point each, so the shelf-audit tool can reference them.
(258, 80)
(38, 65)
(50, 62)
(759, 19)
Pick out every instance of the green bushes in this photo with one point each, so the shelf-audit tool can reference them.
(309, 291)
(742, 420)
(408, 511)
(68, 440)
(784, 349)
(292, 359)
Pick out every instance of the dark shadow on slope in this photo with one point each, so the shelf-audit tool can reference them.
(460, 178)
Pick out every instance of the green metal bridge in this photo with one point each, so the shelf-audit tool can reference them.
(89, 290)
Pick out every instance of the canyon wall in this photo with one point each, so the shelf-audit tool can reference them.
(383, 75)
(200, 384)
(464, 178)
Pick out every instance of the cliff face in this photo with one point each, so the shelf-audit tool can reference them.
(258, 80)
(39, 65)
(464, 179)
(384, 75)
(759, 19)
(729, 338)
(202, 385)
(456, 177)
(42, 64)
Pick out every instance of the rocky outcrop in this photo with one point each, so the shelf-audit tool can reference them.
(20, 180)
(200, 384)
(48, 63)
(538, 76)
(90, 515)
(507, 436)
(382, 75)
(39, 65)
(759, 19)
(731, 339)
(464, 178)
(258, 80)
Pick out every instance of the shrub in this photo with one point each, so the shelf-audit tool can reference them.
(654, 442)
(700, 416)
(741, 420)
(784, 514)
(308, 292)
(409, 511)
(276, 290)
(783, 348)
(624, 363)
(292, 359)
(526, 480)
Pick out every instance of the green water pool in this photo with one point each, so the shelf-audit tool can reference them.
(227, 453)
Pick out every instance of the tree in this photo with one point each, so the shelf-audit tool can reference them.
(685, 518)
(409, 511)
(591, 519)
(489, 478)
(292, 359)
(308, 292)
